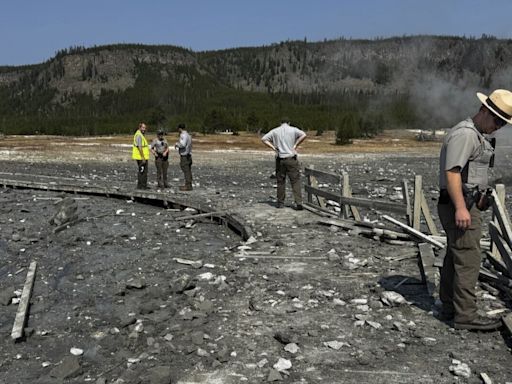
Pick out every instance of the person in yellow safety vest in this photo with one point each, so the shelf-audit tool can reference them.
(140, 152)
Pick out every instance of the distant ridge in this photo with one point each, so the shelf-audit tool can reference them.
(120, 79)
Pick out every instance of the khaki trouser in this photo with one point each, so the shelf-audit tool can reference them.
(161, 171)
(461, 264)
(142, 174)
(186, 167)
(288, 166)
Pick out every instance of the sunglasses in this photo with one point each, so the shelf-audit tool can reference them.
(499, 121)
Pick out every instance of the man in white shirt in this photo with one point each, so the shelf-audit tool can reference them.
(184, 147)
(284, 141)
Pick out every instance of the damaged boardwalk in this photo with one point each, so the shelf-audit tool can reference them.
(159, 292)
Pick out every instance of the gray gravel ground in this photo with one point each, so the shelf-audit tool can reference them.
(304, 296)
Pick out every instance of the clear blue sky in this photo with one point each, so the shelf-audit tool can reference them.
(33, 30)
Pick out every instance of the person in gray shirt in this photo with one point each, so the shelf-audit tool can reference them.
(463, 180)
(284, 141)
(184, 147)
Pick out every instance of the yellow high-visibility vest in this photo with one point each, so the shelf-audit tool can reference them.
(135, 149)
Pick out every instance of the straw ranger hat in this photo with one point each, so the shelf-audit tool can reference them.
(499, 102)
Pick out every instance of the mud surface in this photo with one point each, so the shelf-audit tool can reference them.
(149, 298)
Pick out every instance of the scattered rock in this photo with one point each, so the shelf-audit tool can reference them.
(76, 351)
(135, 283)
(335, 344)
(160, 375)
(292, 348)
(6, 296)
(459, 368)
(68, 368)
(282, 364)
(392, 298)
(274, 375)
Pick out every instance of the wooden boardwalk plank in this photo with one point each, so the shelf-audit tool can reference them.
(360, 202)
(426, 264)
(413, 231)
(21, 314)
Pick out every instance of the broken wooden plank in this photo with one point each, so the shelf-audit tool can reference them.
(314, 183)
(500, 192)
(407, 202)
(359, 202)
(413, 231)
(418, 181)
(507, 322)
(502, 217)
(346, 191)
(439, 260)
(497, 264)
(355, 211)
(426, 264)
(498, 240)
(428, 217)
(21, 314)
(498, 279)
(325, 176)
(345, 224)
(200, 215)
(319, 211)
(249, 256)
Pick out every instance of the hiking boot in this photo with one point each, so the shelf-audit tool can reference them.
(479, 324)
(279, 205)
(185, 188)
(144, 187)
(299, 207)
(445, 316)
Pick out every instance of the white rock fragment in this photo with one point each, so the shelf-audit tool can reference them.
(374, 324)
(168, 337)
(338, 302)
(76, 351)
(282, 364)
(139, 327)
(45, 364)
(459, 368)
(392, 298)
(251, 240)
(292, 348)
(262, 363)
(205, 276)
(193, 263)
(336, 345)
(119, 211)
(359, 301)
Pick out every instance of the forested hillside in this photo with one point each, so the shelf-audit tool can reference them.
(355, 86)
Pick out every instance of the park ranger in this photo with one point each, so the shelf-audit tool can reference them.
(463, 180)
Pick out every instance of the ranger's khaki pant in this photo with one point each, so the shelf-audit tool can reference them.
(161, 171)
(461, 264)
